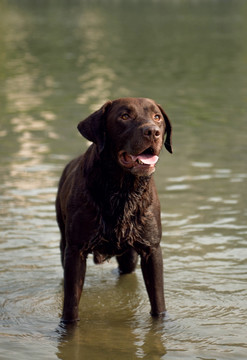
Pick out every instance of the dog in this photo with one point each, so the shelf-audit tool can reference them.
(107, 202)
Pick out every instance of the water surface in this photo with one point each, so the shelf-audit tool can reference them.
(59, 61)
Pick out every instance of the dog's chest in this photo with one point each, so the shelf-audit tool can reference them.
(121, 224)
(123, 219)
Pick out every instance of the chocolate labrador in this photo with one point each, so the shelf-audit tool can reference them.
(107, 202)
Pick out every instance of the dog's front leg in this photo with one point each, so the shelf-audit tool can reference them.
(74, 275)
(152, 270)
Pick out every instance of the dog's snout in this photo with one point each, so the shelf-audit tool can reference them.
(151, 132)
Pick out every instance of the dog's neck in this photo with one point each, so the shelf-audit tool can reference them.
(108, 177)
(121, 199)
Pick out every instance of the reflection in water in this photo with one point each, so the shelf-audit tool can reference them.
(22, 98)
(96, 81)
(113, 306)
(96, 86)
(58, 63)
(144, 342)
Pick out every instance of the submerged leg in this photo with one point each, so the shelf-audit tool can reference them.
(74, 275)
(62, 249)
(127, 262)
(152, 270)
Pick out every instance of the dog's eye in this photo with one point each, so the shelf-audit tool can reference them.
(125, 116)
(157, 117)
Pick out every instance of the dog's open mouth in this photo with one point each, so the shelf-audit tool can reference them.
(146, 159)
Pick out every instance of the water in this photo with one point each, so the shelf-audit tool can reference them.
(59, 61)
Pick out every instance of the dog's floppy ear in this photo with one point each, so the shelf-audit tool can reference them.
(168, 140)
(93, 127)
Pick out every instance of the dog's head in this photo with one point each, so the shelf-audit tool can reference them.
(132, 130)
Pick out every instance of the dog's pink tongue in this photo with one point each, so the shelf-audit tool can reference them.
(148, 159)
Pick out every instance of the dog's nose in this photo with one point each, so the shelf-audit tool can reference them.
(152, 132)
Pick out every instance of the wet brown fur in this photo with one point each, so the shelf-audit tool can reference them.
(105, 209)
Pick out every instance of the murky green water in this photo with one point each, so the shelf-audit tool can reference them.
(60, 60)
